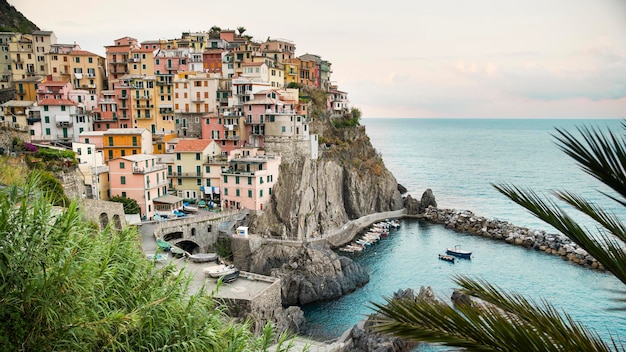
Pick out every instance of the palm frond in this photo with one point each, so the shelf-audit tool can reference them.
(503, 322)
(605, 249)
(601, 156)
(610, 222)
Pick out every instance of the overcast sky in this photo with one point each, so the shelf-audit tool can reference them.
(399, 58)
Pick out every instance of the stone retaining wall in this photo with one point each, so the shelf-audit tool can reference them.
(558, 244)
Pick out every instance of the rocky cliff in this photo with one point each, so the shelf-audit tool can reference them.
(315, 197)
(312, 197)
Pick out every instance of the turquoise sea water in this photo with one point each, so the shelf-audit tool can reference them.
(459, 159)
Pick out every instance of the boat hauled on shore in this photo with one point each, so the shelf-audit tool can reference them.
(374, 233)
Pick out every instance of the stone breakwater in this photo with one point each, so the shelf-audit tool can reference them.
(557, 244)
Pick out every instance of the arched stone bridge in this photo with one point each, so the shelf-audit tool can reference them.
(198, 233)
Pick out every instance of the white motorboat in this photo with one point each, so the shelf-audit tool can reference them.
(219, 271)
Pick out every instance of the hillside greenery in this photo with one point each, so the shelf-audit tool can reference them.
(11, 20)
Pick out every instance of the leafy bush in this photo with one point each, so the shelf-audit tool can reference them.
(130, 205)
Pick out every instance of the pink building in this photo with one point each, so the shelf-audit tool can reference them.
(106, 115)
(337, 101)
(227, 131)
(141, 177)
(274, 113)
(248, 181)
(171, 61)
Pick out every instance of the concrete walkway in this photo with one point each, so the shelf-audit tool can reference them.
(346, 233)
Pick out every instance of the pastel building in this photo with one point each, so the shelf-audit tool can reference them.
(87, 71)
(274, 113)
(16, 114)
(62, 120)
(141, 177)
(59, 61)
(27, 54)
(117, 58)
(280, 50)
(228, 131)
(120, 142)
(337, 101)
(194, 97)
(191, 170)
(248, 180)
(106, 114)
(92, 137)
(141, 61)
(26, 89)
(93, 170)
(136, 94)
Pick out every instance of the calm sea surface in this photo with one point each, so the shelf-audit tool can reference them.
(459, 159)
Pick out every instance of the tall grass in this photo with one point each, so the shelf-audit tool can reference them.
(67, 287)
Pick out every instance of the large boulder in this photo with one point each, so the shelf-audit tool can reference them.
(428, 200)
(411, 205)
(309, 273)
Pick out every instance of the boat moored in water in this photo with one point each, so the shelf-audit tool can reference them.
(459, 253)
(447, 258)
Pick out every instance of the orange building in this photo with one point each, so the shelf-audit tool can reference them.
(119, 142)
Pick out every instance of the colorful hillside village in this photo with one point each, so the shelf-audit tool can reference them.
(166, 122)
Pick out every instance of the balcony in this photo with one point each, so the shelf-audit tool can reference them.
(185, 174)
(197, 100)
(229, 171)
(161, 183)
(147, 170)
(216, 160)
(143, 97)
(64, 138)
(123, 96)
(64, 123)
(103, 119)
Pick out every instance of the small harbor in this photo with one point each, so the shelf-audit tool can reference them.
(408, 258)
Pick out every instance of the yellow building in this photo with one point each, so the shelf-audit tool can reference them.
(291, 71)
(118, 142)
(27, 54)
(138, 96)
(190, 171)
(141, 62)
(26, 89)
(59, 61)
(5, 61)
(160, 141)
(87, 71)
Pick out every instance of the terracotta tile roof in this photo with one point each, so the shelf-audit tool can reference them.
(56, 102)
(83, 53)
(53, 83)
(192, 145)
